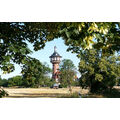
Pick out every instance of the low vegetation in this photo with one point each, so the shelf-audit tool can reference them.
(3, 93)
(72, 95)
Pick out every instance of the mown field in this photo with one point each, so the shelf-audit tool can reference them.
(41, 92)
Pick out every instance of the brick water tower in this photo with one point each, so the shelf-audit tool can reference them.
(55, 60)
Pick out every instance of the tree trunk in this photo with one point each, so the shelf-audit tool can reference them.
(70, 89)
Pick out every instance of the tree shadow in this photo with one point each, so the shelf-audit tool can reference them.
(114, 93)
(35, 95)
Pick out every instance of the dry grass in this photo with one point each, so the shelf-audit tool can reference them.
(55, 93)
(41, 92)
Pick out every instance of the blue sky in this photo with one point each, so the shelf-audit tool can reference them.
(43, 56)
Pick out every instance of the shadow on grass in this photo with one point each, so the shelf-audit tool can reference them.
(35, 95)
(72, 95)
(114, 93)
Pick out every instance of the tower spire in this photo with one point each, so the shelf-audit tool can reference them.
(55, 49)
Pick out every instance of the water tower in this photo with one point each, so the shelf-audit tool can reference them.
(55, 60)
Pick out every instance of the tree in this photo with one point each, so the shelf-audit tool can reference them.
(67, 73)
(86, 35)
(3, 82)
(34, 72)
(14, 38)
(15, 81)
(98, 72)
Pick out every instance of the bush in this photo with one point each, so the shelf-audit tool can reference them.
(63, 85)
(3, 93)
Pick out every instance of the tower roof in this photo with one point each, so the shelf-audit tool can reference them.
(55, 54)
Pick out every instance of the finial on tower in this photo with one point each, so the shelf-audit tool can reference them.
(55, 49)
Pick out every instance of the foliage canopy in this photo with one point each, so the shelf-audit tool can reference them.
(67, 73)
(14, 38)
(98, 72)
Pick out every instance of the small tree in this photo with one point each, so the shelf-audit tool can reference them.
(67, 73)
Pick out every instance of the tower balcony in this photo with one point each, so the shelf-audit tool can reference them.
(55, 61)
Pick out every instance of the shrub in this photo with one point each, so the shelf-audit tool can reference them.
(3, 93)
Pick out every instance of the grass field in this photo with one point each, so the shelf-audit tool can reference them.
(41, 92)
(45, 92)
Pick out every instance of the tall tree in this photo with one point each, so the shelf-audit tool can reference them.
(98, 72)
(34, 72)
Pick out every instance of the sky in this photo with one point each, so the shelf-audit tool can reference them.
(43, 56)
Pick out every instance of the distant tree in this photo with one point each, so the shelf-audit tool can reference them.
(3, 82)
(45, 81)
(67, 73)
(34, 72)
(15, 81)
(98, 72)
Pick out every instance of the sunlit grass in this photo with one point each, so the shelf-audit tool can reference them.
(39, 92)
(45, 92)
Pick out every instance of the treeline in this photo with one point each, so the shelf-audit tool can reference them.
(35, 74)
(19, 81)
(98, 73)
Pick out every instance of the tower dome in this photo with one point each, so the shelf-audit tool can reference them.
(55, 57)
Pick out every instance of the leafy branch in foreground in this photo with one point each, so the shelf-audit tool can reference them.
(15, 37)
